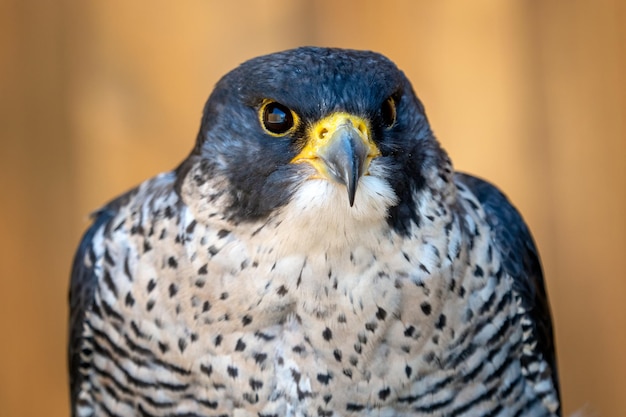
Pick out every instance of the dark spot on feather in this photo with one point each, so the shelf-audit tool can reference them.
(108, 258)
(241, 346)
(327, 334)
(371, 326)
(173, 290)
(324, 378)
(324, 413)
(108, 280)
(258, 230)
(264, 336)
(384, 393)
(259, 358)
(130, 300)
(119, 226)
(127, 269)
(255, 384)
(281, 290)
(295, 375)
(233, 372)
(354, 407)
(441, 322)
(461, 291)
(138, 333)
(190, 227)
(206, 369)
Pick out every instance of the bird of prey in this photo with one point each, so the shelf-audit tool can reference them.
(314, 255)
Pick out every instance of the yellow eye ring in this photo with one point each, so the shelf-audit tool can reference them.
(276, 118)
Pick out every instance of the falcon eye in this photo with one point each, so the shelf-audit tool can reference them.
(388, 112)
(276, 118)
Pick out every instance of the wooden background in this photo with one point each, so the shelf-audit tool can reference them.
(96, 96)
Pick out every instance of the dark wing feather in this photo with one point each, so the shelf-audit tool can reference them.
(83, 283)
(520, 260)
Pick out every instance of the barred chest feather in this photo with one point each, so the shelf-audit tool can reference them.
(200, 316)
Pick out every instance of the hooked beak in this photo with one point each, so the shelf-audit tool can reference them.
(340, 148)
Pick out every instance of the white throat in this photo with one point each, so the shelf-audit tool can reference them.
(319, 217)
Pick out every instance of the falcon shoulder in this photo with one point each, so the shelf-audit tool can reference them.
(521, 261)
(83, 282)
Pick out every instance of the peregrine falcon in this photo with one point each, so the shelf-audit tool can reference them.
(314, 255)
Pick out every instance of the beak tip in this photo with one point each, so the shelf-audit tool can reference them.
(353, 182)
(351, 197)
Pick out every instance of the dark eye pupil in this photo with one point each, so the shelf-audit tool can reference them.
(277, 118)
(388, 112)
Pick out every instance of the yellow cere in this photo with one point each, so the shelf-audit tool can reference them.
(320, 132)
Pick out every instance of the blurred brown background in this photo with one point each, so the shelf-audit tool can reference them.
(97, 96)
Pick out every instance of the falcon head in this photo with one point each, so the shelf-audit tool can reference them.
(329, 132)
